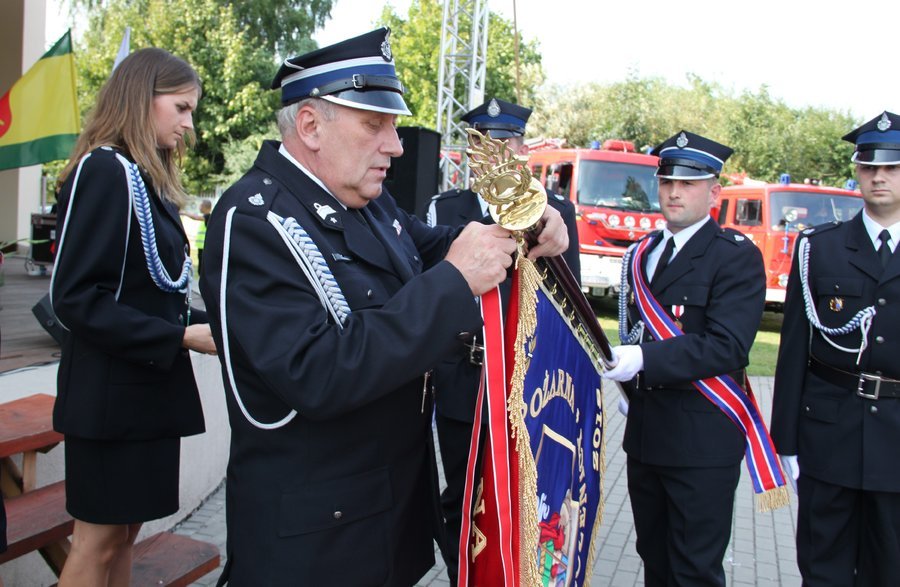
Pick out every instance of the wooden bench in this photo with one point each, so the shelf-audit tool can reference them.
(172, 560)
(37, 520)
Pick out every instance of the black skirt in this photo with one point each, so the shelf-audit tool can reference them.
(121, 481)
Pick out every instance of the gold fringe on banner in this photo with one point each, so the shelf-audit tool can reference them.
(773, 499)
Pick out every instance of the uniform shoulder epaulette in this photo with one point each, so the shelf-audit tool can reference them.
(258, 193)
(735, 237)
(454, 193)
(820, 228)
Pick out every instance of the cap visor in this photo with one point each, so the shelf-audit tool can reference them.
(373, 100)
(877, 157)
(682, 172)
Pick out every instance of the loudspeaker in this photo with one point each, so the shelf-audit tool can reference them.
(43, 311)
(413, 177)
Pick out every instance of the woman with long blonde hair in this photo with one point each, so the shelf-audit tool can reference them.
(121, 287)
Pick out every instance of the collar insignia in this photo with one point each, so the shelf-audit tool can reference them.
(397, 226)
(493, 109)
(386, 47)
(738, 238)
(681, 141)
(267, 181)
(884, 123)
(256, 200)
(340, 257)
(324, 211)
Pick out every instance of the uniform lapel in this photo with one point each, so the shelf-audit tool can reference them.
(685, 260)
(387, 234)
(861, 252)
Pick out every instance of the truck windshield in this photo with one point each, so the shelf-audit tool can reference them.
(623, 186)
(800, 210)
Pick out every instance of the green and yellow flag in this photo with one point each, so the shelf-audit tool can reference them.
(39, 119)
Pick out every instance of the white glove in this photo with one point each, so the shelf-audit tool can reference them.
(623, 406)
(791, 469)
(628, 360)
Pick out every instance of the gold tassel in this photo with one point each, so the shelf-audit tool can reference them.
(773, 499)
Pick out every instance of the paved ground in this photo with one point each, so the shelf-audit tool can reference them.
(761, 551)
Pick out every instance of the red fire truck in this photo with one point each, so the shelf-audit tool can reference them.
(772, 214)
(616, 197)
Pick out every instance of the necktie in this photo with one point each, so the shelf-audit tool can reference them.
(664, 259)
(884, 252)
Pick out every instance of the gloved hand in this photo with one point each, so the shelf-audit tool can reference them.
(791, 469)
(629, 359)
(623, 406)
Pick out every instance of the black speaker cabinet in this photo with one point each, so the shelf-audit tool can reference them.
(413, 177)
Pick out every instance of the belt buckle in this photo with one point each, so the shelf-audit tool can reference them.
(476, 353)
(863, 378)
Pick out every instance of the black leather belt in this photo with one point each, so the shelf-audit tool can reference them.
(868, 385)
(639, 382)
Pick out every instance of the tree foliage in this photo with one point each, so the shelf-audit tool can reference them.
(769, 137)
(280, 27)
(416, 43)
(235, 74)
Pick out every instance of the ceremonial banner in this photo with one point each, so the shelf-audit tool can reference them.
(537, 505)
(39, 118)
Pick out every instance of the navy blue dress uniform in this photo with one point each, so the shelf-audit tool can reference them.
(124, 378)
(837, 387)
(456, 379)
(684, 454)
(332, 478)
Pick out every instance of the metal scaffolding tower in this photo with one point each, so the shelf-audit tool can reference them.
(460, 82)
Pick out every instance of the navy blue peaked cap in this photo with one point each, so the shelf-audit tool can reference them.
(877, 141)
(357, 73)
(689, 156)
(503, 119)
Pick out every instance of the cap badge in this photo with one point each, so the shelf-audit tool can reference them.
(681, 141)
(493, 109)
(884, 123)
(256, 200)
(386, 47)
(836, 304)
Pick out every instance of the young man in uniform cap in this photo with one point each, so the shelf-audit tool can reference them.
(836, 409)
(684, 453)
(456, 379)
(330, 304)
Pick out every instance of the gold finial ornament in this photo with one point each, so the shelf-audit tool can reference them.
(516, 199)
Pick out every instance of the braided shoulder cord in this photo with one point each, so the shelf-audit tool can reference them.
(148, 236)
(862, 320)
(319, 267)
(637, 331)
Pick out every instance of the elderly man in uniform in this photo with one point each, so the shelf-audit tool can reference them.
(456, 380)
(684, 453)
(331, 304)
(836, 411)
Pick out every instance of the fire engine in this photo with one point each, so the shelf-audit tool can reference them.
(616, 197)
(773, 214)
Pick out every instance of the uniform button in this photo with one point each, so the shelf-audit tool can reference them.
(684, 298)
(338, 515)
(882, 301)
(463, 335)
(836, 287)
(369, 294)
(416, 257)
(878, 373)
(181, 318)
(806, 408)
(873, 409)
(879, 339)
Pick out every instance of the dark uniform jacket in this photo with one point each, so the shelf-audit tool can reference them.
(839, 437)
(343, 493)
(718, 276)
(456, 379)
(123, 371)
